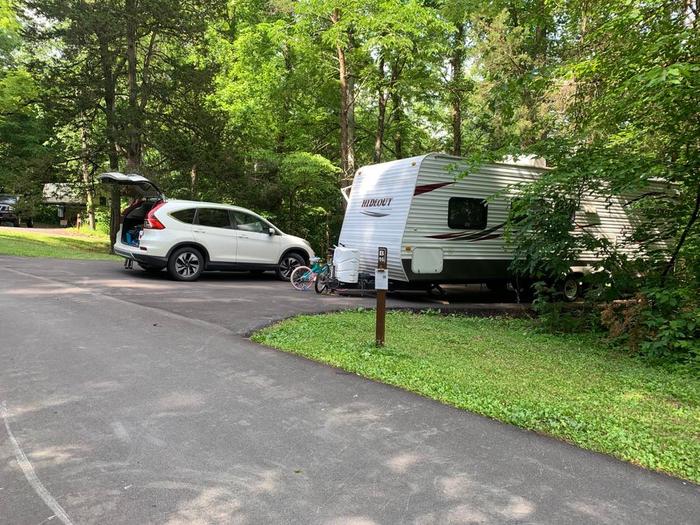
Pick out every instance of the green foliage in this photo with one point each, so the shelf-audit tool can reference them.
(672, 319)
(310, 195)
(541, 227)
(615, 114)
(570, 386)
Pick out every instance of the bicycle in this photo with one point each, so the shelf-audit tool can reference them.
(304, 277)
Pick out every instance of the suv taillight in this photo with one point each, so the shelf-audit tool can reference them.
(151, 222)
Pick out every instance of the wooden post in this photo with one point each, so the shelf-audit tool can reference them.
(381, 284)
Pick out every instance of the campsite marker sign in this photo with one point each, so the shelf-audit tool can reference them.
(381, 284)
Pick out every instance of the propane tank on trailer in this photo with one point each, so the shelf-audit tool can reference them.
(346, 262)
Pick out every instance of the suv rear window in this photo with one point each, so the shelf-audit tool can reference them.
(213, 217)
(186, 216)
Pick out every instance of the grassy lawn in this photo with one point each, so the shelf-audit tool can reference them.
(572, 387)
(32, 243)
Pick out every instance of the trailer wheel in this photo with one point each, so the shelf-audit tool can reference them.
(571, 288)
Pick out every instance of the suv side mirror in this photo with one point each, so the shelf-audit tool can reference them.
(271, 231)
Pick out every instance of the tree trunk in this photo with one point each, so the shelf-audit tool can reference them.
(396, 111)
(133, 159)
(347, 110)
(87, 175)
(107, 62)
(286, 98)
(684, 235)
(540, 43)
(290, 218)
(381, 114)
(457, 64)
(193, 182)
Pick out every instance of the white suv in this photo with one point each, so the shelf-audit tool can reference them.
(188, 237)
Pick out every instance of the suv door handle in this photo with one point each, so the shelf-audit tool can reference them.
(199, 231)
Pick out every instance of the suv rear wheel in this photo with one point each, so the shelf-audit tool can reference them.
(186, 264)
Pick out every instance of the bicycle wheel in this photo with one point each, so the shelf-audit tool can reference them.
(322, 280)
(301, 278)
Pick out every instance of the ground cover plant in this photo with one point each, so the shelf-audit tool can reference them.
(32, 244)
(573, 387)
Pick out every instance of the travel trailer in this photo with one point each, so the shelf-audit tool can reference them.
(443, 222)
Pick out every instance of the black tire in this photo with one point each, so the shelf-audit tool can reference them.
(186, 264)
(321, 282)
(30, 223)
(287, 264)
(150, 269)
(571, 288)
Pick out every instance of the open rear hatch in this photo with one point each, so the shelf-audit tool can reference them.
(145, 195)
(144, 187)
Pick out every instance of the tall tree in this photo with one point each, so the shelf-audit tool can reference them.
(124, 37)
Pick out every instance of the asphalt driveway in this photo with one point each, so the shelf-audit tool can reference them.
(128, 398)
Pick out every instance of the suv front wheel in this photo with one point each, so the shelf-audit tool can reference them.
(186, 264)
(288, 263)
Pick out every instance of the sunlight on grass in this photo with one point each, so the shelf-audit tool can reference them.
(33, 244)
(572, 387)
(87, 232)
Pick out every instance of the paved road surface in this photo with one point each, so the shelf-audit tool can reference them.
(132, 399)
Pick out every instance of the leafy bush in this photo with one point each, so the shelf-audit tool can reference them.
(102, 219)
(672, 319)
(557, 316)
(661, 323)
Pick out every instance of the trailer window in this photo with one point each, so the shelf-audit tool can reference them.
(467, 214)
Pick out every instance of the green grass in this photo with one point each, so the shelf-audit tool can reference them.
(32, 244)
(573, 387)
(87, 232)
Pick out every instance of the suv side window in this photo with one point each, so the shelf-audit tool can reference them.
(186, 216)
(248, 223)
(213, 217)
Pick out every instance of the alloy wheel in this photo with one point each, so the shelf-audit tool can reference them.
(288, 265)
(187, 264)
(571, 290)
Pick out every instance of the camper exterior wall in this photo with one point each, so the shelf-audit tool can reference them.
(479, 254)
(377, 211)
(404, 205)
